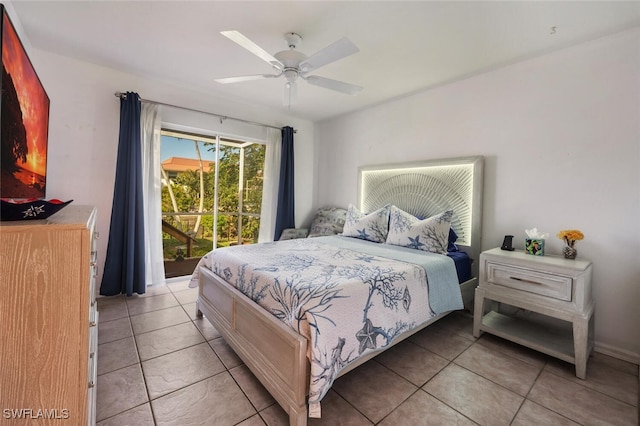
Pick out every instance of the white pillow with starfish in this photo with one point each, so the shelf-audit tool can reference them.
(371, 227)
(430, 234)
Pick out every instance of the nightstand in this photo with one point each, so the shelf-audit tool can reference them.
(548, 285)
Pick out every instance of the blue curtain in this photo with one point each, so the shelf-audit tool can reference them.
(285, 214)
(124, 270)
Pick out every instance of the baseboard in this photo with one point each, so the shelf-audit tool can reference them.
(617, 353)
(177, 279)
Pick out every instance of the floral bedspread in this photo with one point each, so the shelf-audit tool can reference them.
(345, 301)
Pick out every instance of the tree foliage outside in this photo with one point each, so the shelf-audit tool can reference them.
(186, 192)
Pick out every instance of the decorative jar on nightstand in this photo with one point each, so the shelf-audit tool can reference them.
(547, 285)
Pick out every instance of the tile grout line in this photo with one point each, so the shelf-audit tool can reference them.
(226, 369)
(144, 378)
(438, 399)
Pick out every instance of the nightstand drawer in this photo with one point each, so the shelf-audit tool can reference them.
(555, 286)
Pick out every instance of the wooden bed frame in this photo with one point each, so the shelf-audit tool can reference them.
(274, 352)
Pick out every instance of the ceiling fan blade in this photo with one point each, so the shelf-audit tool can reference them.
(241, 78)
(243, 41)
(339, 86)
(338, 50)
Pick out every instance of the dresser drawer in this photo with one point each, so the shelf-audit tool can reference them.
(549, 285)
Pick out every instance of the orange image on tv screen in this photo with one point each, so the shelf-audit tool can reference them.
(25, 121)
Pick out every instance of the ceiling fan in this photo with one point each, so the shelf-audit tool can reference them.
(293, 64)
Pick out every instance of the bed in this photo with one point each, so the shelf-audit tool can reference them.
(254, 295)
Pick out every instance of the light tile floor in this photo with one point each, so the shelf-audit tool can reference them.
(159, 365)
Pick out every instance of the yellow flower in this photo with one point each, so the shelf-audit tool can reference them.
(570, 236)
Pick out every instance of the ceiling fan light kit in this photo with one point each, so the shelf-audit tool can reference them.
(293, 64)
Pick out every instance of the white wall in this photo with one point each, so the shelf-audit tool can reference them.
(84, 126)
(561, 139)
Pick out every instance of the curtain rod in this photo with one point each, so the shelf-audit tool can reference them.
(222, 117)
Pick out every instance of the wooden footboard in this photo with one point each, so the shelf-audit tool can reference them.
(274, 353)
(468, 289)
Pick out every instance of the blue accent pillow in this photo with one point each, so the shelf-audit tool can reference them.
(431, 234)
(371, 227)
(453, 237)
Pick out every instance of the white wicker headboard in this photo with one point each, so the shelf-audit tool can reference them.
(428, 188)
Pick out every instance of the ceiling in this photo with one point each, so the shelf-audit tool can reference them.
(405, 46)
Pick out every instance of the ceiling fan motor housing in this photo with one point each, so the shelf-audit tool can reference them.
(291, 60)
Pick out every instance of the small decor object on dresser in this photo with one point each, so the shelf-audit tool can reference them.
(29, 209)
(534, 243)
(507, 243)
(570, 236)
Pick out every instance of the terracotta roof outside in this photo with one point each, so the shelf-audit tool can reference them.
(180, 164)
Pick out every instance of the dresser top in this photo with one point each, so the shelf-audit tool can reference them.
(71, 216)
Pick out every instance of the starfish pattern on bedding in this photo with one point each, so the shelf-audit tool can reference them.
(415, 243)
(367, 259)
(362, 233)
(367, 336)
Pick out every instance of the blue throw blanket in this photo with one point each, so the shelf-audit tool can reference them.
(444, 291)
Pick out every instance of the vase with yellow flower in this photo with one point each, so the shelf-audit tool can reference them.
(570, 236)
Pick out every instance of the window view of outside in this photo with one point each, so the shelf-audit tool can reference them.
(191, 202)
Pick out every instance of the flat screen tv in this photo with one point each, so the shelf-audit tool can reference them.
(24, 126)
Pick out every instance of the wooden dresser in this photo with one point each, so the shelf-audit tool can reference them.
(48, 319)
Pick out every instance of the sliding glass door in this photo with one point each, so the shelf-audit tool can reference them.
(211, 196)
